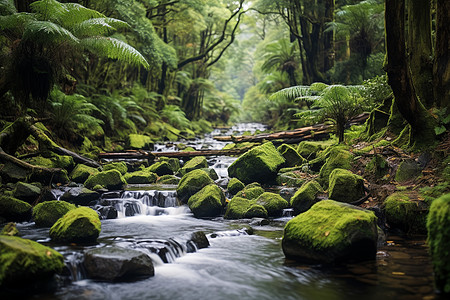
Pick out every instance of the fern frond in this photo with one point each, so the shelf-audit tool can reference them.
(291, 93)
(49, 10)
(15, 21)
(7, 7)
(98, 26)
(76, 13)
(47, 32)
(115, 49)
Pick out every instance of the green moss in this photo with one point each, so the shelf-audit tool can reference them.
(407, 170)
(188, 149)
(197, 162)
(82, 172)
(207, 202)
(377, 166)
(404, 213)
(309, 150)
(291, 156)
(139, 141)
(259, 164)
(40, 161)
(53, 161)
(273, 203)
(293, 178)
(191, 183)
(140, 177)
(305, 197)
(402, 141)
(119, 166)
(234, 186)
(429, 193)
(256, 211)
(26, 191)
(15, 210)
(24, 260)
(173, 162)
(345, 186)
(45, 214)
(250, 192)
(438, 225)
(80, 225)
(331, 231)
(98, 187)
(10, 229)
(237, 207)
(337, 159)
(168, 179)
(161, 168)
(110, 180)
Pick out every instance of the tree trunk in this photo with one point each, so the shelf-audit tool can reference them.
(441, 69)
(420, 50)
(328, 37)
(399, 77)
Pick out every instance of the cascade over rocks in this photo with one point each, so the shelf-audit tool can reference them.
(330, 232)
(117, 264)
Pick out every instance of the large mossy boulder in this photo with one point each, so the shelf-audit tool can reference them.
(407, 170)
(141, 177)
(53, 161)
(46, 214)
(251, 191)
(117, 264)
(191, 183)
(14, 210)
(259, 164)
(111, 180)
(26, 192)
(344, 186)
(139, 141)
(438, 225)
(338, 158)
(306, 196)
(208, 202)
(309, 150)
(80, 225)
(291, 156)
(239, 208)
(198, 162)
(80, 196)
(26, 264)
(331, 231)
(273, 203)
(82, 172)
(173, 162)
(161, 168)
(406, 214)
(256, 211)
(119, 166)
(234, 186)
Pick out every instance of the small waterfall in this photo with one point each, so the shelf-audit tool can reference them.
(74, 266)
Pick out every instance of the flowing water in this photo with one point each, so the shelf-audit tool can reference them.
(236, 265)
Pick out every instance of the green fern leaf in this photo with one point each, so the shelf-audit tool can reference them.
(115, 49)
(15, 21)
(98, 26)
(46, 32)
(291, 93)
(7, 7)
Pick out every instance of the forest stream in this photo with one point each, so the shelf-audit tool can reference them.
(243, 261)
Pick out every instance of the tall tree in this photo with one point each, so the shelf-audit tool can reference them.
(441, 68)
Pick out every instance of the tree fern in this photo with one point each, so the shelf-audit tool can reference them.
(7, 7)
(291, 93)
(45, 32)
(97, 26)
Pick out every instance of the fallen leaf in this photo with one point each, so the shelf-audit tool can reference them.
(327, 233)
(48, 253)
(398, 273)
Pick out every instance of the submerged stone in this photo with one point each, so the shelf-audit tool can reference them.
(25, 263)
(14, 210)
(306, 196)
(46, 214)
(110, 180)
(207, 202)
(80, 225)
(191, 183)
(117, 264)
(259, 164)
(331, 232)
(273, 203)
(345, 186)
(438, 225)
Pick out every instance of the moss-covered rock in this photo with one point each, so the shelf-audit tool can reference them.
(161, 168)
(191, 183)
(331, 231)
(291, 178)
(234, 186)
(250, 192)
(168, 179)
(237, 207)
(58, 176)
(53, 161)
(119, 166)
(291, 156)
(139, 141)
(80, 196)
(273, 203)
(405, 214)
(10, 229)
(197, 162)
(80, 225)
(46, 214)
(377, 167)
(341, 159)
(256, 211)
(259, 164)
(173, 162)
(438, 225)
(14, 210)
(207, 202)
(26, 192)
(306, 196)
(211, 173)
(141, 177)
(82, 172)
(24, 261)
(309, 150)
(110, 180)
(345, 186)
(407, 170)
(321, 157)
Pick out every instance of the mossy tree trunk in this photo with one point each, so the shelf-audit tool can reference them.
(400, 79)
(420, 50)
(441, 69)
